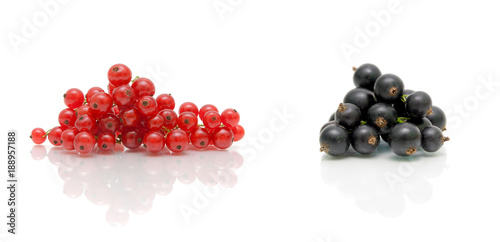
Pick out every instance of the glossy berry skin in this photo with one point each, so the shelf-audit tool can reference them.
(366, 75)
(177, 140)
(230, 117)
(238, 132)
(187, 121)
(155, 122)
(205, 109)
(119, 74)
(38, 136)
(188, 107)
(418, 104)
(334, 140)
(67, 118)
(111, 88)
(421, 123)
(404, 139)
(388, 88)
(73, 98)
(165, 101)
(362, 98)
(68, 137)
(438, 117)
(348, 115)
(154, 141)
(400, 106)
(200, 138)
(91, 92)
(132, 137)
(223, 137)
(109, 123)
(129, 117)
(84, 142)
(143, 87)
(146, 105)
(332, 122)
(85, 123)
(211, 120)
(100, 104)
(433, 139)
(382, 117)
(169, 118)
(123, 95)
(365, 139)
(54, 136)
(106, 142)
(84, 109)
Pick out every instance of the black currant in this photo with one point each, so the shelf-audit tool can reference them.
(438, 117)
(404, 139)
(334, 140)
(365, 139)
(418, 104)
(383, 117)
(348, 115)
(366, 75)
(399, 105)
(333, 122)
(421, 123)
(433, 139)
(362, 98)
(388, 88)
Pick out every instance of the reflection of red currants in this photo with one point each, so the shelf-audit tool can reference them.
(119, 74)
(38, 135)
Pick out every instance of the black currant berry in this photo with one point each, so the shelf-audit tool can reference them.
(334, 140)
(433, 139)
(383, 117)
(348, 115)
(365, 139)
(438, 117)
(333, 122)
(404, 139)
(421, 123)
(388, 88)
(366, 75)
(362, 98)
(418, 104)
(400, 106)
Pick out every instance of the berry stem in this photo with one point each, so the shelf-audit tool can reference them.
(47, 133)
(403, 98)
(133, 80)
(402, 119)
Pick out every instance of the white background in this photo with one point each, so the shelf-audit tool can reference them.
(264, 58)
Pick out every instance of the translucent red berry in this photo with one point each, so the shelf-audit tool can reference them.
(38, 135)
(119, 74)
(73, 98)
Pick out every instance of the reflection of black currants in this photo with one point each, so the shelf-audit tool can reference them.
(333, 122)
(421, 123)
(388, 88)
(438, 117)
(348, 115)
(362, 98)
(404, 139)
(382, 117)
(366, 75)
(334, 140)
(365, 139)
(400, 106)
(418, 104)
(433, 139)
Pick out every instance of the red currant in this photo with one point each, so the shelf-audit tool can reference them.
(205, 109)
(84, 109)
(38, 136)
(188, 107)
(187, 121)
(68, 137)
(155, 122)
(146, 105)
(238, 132)
(73, 98)
(109, 123)
(85, 123)
(177, 140)
(100, 104)
(119, 74)
(111, 88)
(129, 117)
(67, 118)
(200, 138)
(154, 141)
(92, 91)
(143, 87)
(123, 95)
(211, 120)
(106, 142)
(115, 110)
(84, 142)
(55, 136)
(132, 138)
(165, 101)
(223, 138)
(230, 117)
(169, 118)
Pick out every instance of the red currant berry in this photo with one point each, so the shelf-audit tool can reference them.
(84, 142)
(187, 121)
(154, 141)
(111, 88)
(55, 136)
(177, 140)
(100, 104)
(238, 132)
(188, 107)
(230, 117)
(67, 118)
(119, 74)
(67, 138)
(73, 98)
(146, 105)
(129, 117)
(169, 118)
(106, 142)
(211, 120)
(200, 138)
(165, 101)
(38, 136)
(223, 138)
(84, 109)
(123, 95)
(115, 110)
(109, 123)
(85, 123)
(143, 87)
(155, 122)
(205, 109)
(92, 91)
(132, 138)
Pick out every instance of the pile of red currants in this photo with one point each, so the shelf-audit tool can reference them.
(129, 114)
(380, 106)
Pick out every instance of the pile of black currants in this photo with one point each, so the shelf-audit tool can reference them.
(380, 106)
